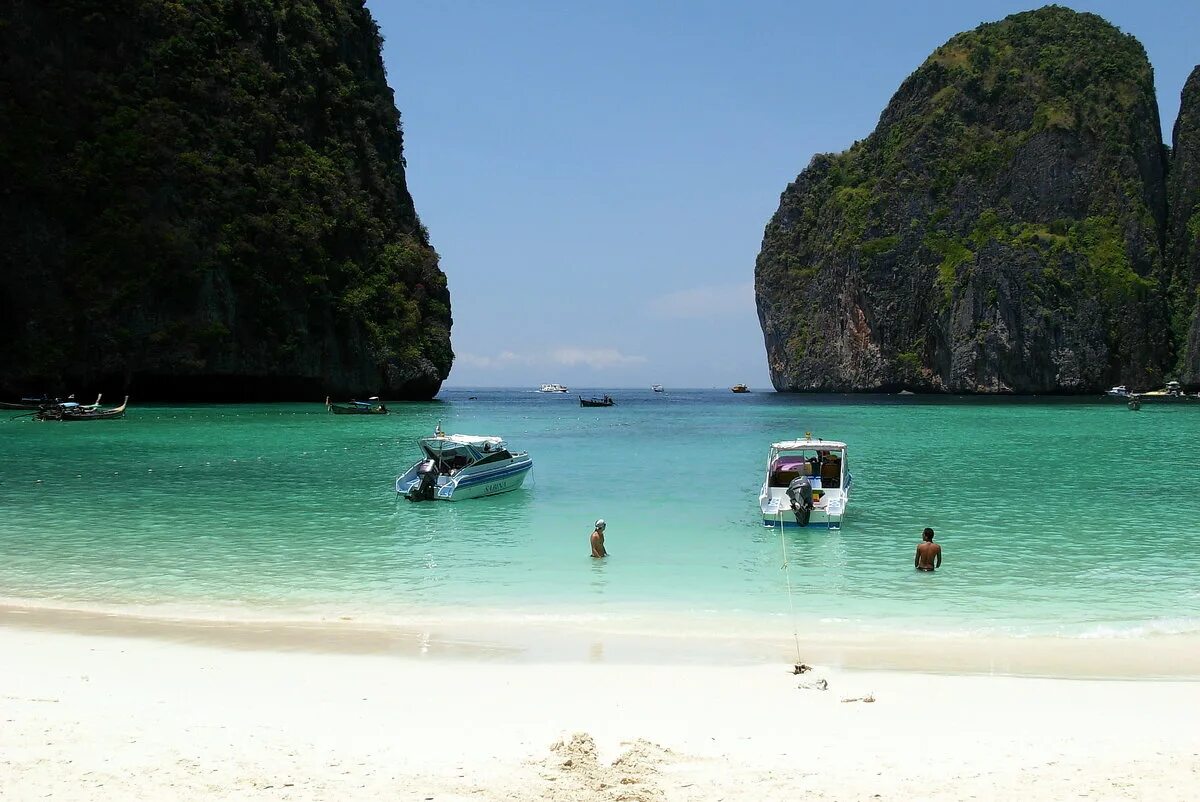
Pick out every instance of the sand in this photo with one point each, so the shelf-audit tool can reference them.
(91, 717)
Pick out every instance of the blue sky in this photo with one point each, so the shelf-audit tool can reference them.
(597, 176)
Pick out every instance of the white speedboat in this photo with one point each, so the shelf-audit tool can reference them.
(1119, 391)
(810, 468)
(658, 388)
(460, 466)
(553, 388)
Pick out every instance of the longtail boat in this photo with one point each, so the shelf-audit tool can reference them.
(372, 406)
(606, 401)
(30, 402)
(70, 411)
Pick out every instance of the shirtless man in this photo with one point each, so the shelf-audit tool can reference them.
(598, 539)
(929, 554)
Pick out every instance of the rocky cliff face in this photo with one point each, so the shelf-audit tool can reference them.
(207, 200)
(999, 231)
(1183, 232)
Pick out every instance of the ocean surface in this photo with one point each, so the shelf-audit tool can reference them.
(1057, 517)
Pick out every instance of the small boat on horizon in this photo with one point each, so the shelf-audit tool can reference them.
(739, 388)
(811, 472)
(658, 388)
(462, 466)
(372, 406)
(604, 401)
(553, 388)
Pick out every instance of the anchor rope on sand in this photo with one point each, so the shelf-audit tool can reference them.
(791, 603)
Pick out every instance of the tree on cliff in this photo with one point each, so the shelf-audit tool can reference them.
(207, 199)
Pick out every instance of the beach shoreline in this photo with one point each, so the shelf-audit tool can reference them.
(117, 717)
(1152, 657)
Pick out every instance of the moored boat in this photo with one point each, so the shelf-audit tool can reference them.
(462, 466)
(1173, 392)
(739, 388)
(1119, 391)
(604, 401)
(31, 402)
(807, 484)
(71, 411)
(372, 406)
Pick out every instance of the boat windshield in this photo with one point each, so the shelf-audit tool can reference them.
(822, 466)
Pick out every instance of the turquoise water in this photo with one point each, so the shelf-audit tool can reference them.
(1058, 517)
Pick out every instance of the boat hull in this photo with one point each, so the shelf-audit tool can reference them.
(339, 410)
(830, 515)
(472, 484)
(816, 520)
(112, 414)
(1163, 398)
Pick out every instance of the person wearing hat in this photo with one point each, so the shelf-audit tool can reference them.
(598, 539)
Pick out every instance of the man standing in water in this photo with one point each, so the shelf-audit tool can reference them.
(929, 554)
(598, 539)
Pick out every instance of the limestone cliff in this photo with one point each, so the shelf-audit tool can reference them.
(1183, 232)
(999, 231)
(208, 200)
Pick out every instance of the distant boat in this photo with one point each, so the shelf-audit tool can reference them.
(1119, 391)
(658, 388)
(605, 401)
(70, 411)
(739, 388)
(553, 388)
(1172, 392)
(372, 406)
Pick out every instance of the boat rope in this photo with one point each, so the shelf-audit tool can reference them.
(788, 576)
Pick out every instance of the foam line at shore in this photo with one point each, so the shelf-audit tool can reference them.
(1156, 657)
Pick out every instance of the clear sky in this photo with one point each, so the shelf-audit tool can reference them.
(597, 175)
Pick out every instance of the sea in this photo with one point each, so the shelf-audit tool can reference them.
(1058, 517)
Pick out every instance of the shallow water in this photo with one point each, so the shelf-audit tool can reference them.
(1057, 517)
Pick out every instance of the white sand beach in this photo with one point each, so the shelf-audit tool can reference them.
(116, 717)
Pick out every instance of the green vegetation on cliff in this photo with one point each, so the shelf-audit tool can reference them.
(1183, 232)
(208, 199)
(999, 231)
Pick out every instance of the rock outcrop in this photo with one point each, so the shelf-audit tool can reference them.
(1183, 232)
(999, 231)
(207, 200)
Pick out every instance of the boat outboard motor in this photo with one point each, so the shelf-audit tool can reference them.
(799, 492)
(427, 474)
